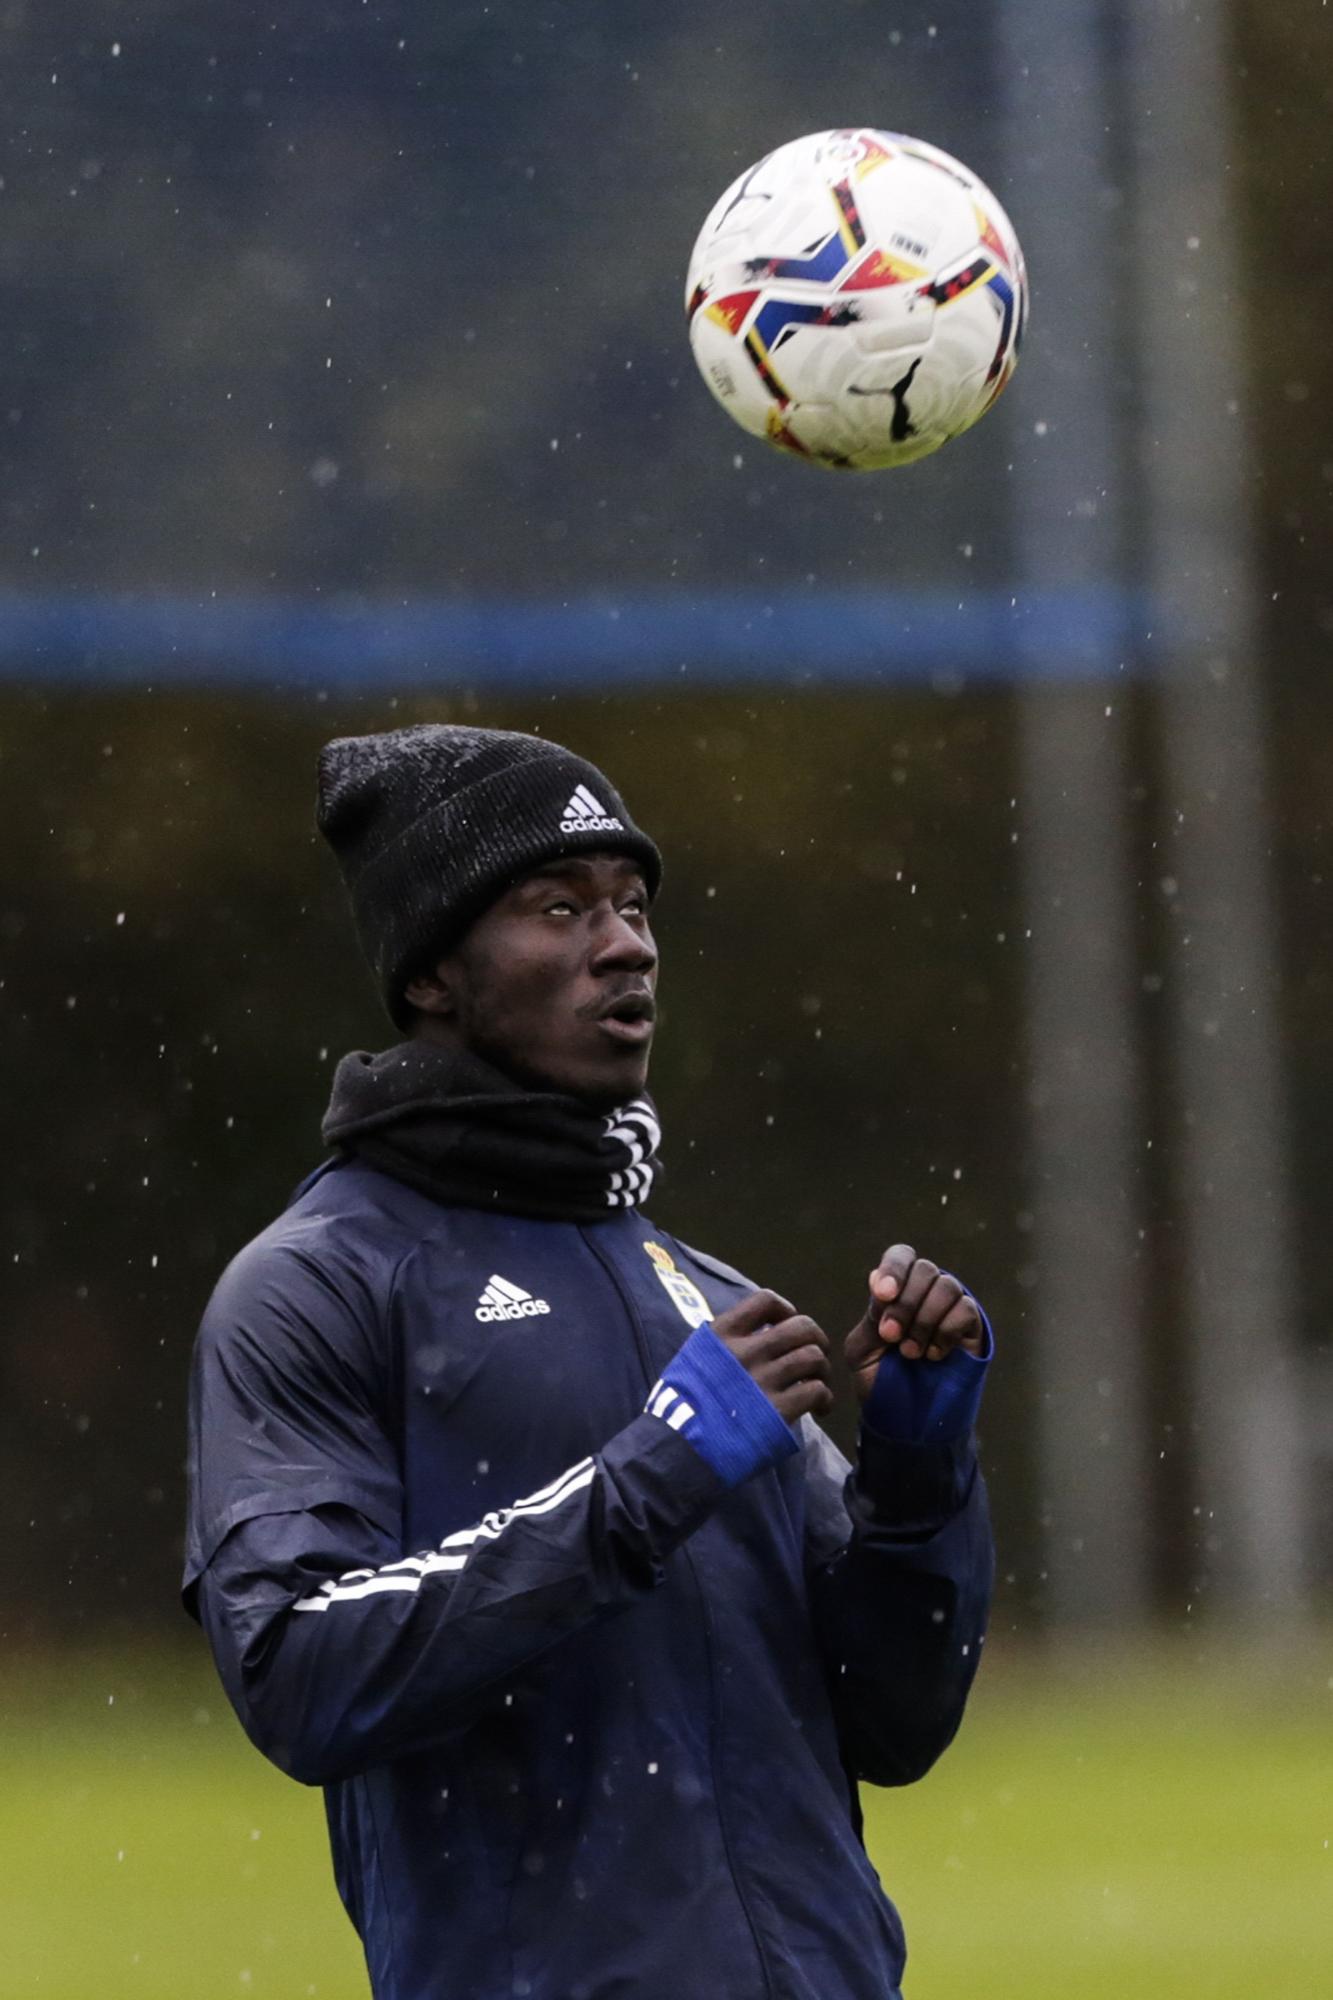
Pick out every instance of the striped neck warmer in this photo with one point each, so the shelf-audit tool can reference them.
(457, 1129)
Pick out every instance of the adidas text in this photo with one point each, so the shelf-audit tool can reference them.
(591, 825)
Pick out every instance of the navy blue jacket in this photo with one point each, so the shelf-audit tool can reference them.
(585, 1644)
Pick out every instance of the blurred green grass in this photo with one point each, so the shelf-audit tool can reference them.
(1152, 1822)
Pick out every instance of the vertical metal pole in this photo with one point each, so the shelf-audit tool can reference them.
(1239, 1340)
(1085, 1092)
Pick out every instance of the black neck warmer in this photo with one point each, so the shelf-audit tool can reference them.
(459, 1130)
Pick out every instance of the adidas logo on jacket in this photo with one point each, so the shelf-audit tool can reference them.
(501, 1300)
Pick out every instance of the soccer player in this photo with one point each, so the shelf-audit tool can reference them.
(510, 1522)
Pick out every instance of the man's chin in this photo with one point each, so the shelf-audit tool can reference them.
(606, 1100)
(609, 1092)
(602, 1087)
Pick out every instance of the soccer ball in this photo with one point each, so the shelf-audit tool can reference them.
(857, 298)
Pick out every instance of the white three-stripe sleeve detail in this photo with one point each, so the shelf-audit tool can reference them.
(491, 1526)
(408, 1572)
(582, 1472)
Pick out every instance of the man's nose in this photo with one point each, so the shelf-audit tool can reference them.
(621, 946)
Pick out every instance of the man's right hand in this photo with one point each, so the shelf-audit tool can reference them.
(782, 1350)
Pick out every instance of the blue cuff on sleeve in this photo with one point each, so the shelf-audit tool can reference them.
(718, 1408)
(928, 1402)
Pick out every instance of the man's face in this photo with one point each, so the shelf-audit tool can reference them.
(554, 983)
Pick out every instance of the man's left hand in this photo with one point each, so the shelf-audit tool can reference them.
(917, 1308)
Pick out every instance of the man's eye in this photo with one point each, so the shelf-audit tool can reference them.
(636, 906)
(559, 904)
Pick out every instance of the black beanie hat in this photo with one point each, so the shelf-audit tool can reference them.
(430, 824)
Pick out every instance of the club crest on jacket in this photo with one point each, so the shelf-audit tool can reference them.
(684, 1294)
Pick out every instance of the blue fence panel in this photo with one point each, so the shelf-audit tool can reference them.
(590, 645)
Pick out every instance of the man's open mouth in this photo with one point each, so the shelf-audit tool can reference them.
(630, 1018)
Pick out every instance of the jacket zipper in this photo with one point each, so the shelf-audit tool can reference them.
(715, 1693)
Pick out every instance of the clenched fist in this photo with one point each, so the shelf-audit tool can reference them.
(782, 1351)
(917, 1308)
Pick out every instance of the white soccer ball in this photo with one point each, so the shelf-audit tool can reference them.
(857, 298)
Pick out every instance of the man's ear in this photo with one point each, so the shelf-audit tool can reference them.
(431, 993)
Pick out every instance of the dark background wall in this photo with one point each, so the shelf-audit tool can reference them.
(384, 302)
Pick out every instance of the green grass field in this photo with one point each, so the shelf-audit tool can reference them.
(1149, 1825)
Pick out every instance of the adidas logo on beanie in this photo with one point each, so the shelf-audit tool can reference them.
(585, 814)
